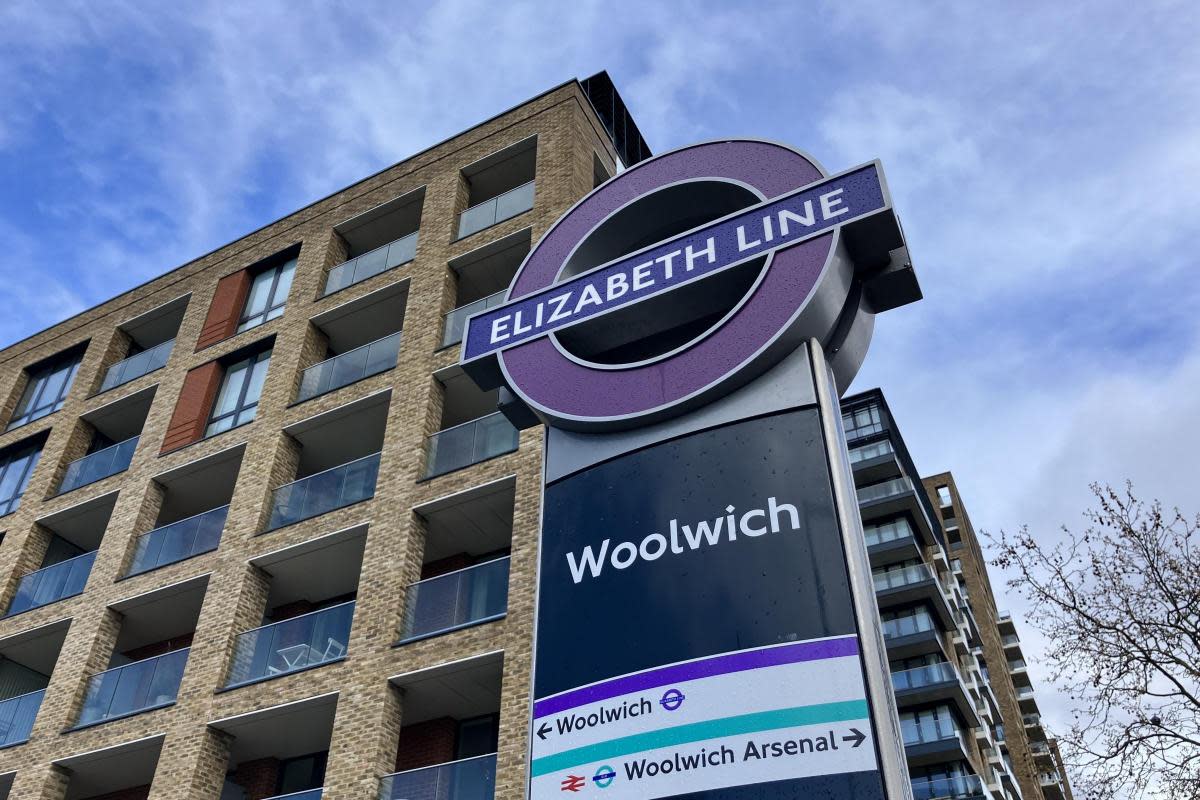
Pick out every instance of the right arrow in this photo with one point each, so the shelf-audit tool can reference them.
(858, 737)
(542, 731)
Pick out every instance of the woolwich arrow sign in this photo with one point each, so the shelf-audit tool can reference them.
(704, 615)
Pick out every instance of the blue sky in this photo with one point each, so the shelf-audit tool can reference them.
(1044, 160)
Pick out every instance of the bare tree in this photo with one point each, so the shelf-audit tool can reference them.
(1120, 607)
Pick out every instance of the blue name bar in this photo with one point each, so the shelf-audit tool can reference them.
(707, 250)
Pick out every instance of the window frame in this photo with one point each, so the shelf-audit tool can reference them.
(246, 320)
(32, 454)
(38, 379)
(252, 360)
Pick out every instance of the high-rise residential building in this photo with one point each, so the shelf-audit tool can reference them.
(262, 537)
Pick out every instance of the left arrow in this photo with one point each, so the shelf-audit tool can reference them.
(542, 731)
(857, 736)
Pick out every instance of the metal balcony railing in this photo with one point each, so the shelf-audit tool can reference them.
(873, 450)
(349, 367)
(465, 779)
(470, 443)
(98, 465)
(323, 492)
(878, 491)
(291, 645)
(961, 786)
(370, 264)
(136, 366)
(905, 576)
(307, 794)
(53, 583)
(464, 597)
(129, 689)
(490, 212)
(454, 323)
(928, 675)
(17, 715)
(178, 541)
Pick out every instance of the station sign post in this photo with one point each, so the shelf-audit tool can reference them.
(705, 616)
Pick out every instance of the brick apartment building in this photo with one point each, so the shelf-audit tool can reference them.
(262, 537)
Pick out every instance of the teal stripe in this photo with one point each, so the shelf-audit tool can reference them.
(699, 731)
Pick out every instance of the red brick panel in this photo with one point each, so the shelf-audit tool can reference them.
(426, 743)
(225, 310)
(200, 387)
(257, 778)
(159, 648)
(444, 565)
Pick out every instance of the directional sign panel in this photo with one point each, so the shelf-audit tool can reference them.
(695, 625)
(713, 722)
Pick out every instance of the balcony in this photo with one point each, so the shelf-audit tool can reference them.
(874, 462)
(133, 688)
(98, 465)
(372, 263)
(469, 443)
(16, 717)
(349, 367)
(899, 578)
(53, 583)
(307, 794)
(468, 779)
(136, 366)
(456, 600)
(178, 541)
(454, 323)
(292, 645)
(1011, 640)
(928, 675)
(496, 210)
(962, 786)
(932, 683)
(325, 491)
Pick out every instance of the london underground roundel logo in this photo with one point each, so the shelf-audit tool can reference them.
(681, 279)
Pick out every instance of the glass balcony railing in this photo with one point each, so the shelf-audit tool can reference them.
(466, 779)
(179, 540)
(1048, 778)
(1039, 748)
(370, 264)
(907, 626)
(905, 576)
(490, 212)
(349, 367)
(307, 794)
(454, 324)
(873, 450)
(98, 465)
(323, 492)
(1010, 639)
(136, 366)
(140, 686)
(291, 645)
(878, 491)
(17, 715)
(1031, 719)
(457, 599)
(470, 443)
(928, 675)
(888, 532)
(961, 786)
(53, 583)
(1025, 693)
(1013, 666)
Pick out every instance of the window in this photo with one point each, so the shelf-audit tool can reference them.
(943, 493)
(237, 400)
(930, 725)
(302, 773)
(268, 295)
(477, 736)
(47, 388)
(862, 421)
(16, 465)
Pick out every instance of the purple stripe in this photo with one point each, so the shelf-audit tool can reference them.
(704, 668)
